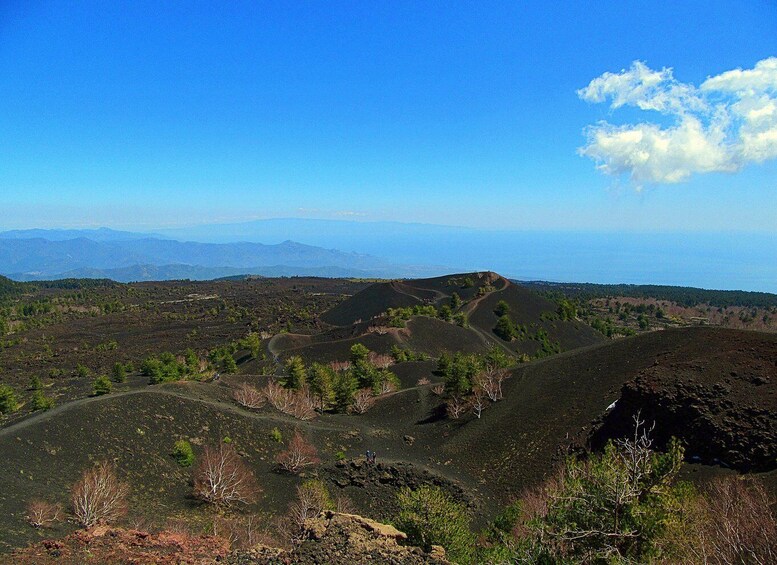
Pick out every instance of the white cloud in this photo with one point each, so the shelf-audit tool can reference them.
(750, 81)
(644, 88)
(721, 126)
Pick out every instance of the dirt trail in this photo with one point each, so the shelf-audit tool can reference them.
(228, 406)
(472, 305)
(400, 288)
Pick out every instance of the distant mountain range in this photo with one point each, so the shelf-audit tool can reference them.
(281, 246)
(128, 256)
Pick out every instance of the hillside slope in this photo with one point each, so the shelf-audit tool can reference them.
(552, 407)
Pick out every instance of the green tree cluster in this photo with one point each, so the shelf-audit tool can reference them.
(41, 402)
(430, 517)
(222, 358)
(183, 453)
(8, 400)
(335, 389)
(102, 385)
(403, 355)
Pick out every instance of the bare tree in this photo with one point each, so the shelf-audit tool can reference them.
(456, 407)
(438, 389)
(363, 400)
(300, 454)
(99, 496)
(300, 403)
(423, 381)
(223, 478)
(736, 523)
(490, 381)
(303, 405)
(248, 396)
(478, 401)
(42, 514)
(312, 499)
(242, 532)
(340, 366)
(379, 360)
(386, 387)
(279, 398)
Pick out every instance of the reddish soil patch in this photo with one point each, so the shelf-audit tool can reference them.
(116, 545)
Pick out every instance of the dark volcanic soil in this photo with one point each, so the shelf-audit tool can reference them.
(720, 398)
(713, 388)
(551, 406)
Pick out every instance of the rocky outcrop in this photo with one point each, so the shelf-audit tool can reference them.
(722, 407)
(332, 538)
(345, 539)
(119, 546)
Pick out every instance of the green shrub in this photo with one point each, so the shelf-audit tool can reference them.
(118, 373)
(183, 453)
(340, 456)
(430, 517)
(502, 308)
(102, 385)
(276, 435)
(35, 383)
(505, 328)
(612, 507)
(41, 401)
(8, 401)
(163, 369)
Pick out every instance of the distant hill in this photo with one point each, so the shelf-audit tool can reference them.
(362, 318)
(137, 273)
(685, 295)
(99, 234)
(124, 256)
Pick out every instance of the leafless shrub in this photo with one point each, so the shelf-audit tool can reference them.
(478, 401)
(380, 330)
(456, 407)
(423, 381)
(300, 454)
(438, 389)
(248, 396)
(279, 398)
(379, 360)
(312, 499)
(340, 366)
(303, 406)
(387, 387)
(300, 403)
(242, 532)
(363, 400)
(344, 505)
(490, 381)
(173, 525)
(42, 514)
(222, 478)
(735, 524)
(99, 496)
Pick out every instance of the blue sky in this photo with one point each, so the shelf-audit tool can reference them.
(152, 114)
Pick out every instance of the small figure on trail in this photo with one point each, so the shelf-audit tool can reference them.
(374, 456)
(216, 377)
(369, 456)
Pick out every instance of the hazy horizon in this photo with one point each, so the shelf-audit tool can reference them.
(722, 260)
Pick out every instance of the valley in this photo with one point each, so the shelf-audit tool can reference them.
(564, 388)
